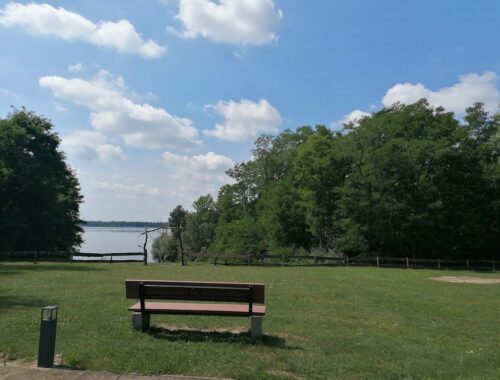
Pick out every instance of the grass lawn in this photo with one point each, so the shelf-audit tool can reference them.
(346, 323)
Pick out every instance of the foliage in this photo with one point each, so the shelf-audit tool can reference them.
(166, 248)
(39, 193)
(409, 180)
(177, 223)
(200, 224)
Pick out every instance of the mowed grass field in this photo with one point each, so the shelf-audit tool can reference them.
(321, 323)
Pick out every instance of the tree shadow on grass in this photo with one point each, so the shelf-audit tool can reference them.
(172, 333)
(12, 302)
(42, 267)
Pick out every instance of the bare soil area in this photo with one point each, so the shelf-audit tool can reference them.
(467, 279)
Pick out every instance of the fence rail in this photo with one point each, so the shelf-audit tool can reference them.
(259, 260)
(70, 256)
(380, 262)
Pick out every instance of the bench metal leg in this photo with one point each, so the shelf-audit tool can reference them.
(138, 323)
(256, 327)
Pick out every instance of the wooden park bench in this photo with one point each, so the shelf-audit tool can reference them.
(210, 298)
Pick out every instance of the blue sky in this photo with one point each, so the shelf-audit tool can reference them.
(154, 99)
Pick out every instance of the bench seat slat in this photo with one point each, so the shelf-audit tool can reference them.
(198, 309)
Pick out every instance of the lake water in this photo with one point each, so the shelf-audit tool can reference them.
(116, 239)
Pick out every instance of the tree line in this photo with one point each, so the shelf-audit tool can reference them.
(407, 181)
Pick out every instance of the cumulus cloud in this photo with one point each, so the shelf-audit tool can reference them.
(45, 20)
(470, 88)
(207, 168)
(199, 173)
(244, 119)
(90, 145)
(113, 113)
(239, 22)
(353, 117)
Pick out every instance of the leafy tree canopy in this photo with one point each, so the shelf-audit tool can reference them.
(39, 193)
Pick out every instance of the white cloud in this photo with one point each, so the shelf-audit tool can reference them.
(59, 107)
(244, 120)
(353, 116)
(470, 88)
(6, 92)
(194, 175)
(240, 22)
(208, 167)
(113, 113)
(77, 67)
(90, 145)
(45, 20)
(128, 190)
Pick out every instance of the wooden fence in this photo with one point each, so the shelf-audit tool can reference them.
(380, 262)
(66, 256)
(258, 260)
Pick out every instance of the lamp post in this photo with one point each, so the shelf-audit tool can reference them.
(48, 326)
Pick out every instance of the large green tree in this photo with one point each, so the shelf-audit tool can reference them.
(416, 186)
(200, 224)
(177, 224)
(39, 193)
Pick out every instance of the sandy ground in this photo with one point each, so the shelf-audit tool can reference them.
(467, 280)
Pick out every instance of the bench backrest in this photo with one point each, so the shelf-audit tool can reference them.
(195, 291)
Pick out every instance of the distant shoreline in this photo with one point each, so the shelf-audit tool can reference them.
(115, 223)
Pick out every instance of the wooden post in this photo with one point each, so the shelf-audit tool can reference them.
(144, 247)
(248, 259)
(215, 259)
(111, 258)
(71, 259)
(467, 264)
(439, 264)
(347, 260)
(378, 262)
(34, 257)
(282, 260)
(407, 263)
(493, 262)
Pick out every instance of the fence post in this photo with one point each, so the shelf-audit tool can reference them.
(347, 260)
(467, 264)
(282, 260)
(439, 264)
(215, 259)
(407, 263)
(378, 262)
(111, 258)
(71, 258)
(248, 259)
(34, 257)
(493, 262)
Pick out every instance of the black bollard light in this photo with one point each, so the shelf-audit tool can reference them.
(47, 344)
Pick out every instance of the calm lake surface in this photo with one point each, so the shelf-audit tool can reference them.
(116, 239)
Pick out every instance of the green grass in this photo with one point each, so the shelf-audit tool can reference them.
(346, 323)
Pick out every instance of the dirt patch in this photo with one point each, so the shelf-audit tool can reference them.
(467, 280)
(182, 328)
